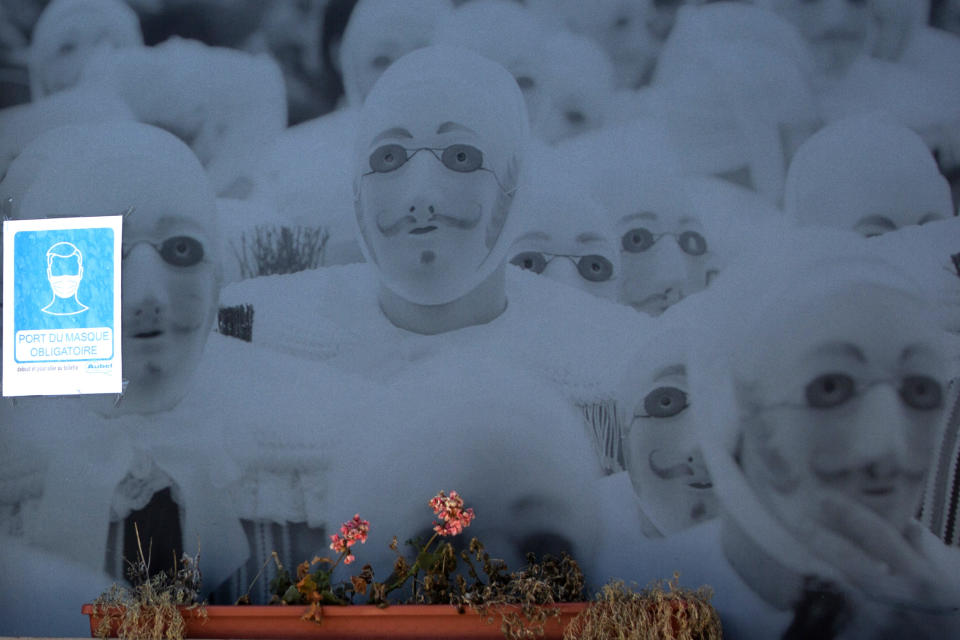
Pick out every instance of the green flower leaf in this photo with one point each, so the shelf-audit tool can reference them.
(292, 596)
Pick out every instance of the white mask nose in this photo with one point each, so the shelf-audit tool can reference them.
(881, 432)
(146, 315)
(422, 208)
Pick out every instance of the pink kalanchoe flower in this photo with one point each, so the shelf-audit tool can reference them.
(352, 531)
(338, 544)
(356, 529)
(450, 510)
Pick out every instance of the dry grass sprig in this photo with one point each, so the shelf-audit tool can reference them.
(662, 611)
(276, 249)
(522, 599)
(151, 609)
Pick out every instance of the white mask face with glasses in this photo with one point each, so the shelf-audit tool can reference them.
(620, 26)
(63, 46)
(844, 403)
(437, 165)
(379, 33)
(170, 287)
(569, 240)
(591, 272)
(660, 447)
(170, 272)
(429, 199)
(664, 259)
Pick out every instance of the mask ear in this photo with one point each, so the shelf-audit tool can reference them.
(508, 187)
(624, 416)
(358, 211)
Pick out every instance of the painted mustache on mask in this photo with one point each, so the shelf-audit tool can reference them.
(869, 471)
(407, 222)
(678, 470)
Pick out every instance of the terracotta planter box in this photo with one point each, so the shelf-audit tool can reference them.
(355, 621)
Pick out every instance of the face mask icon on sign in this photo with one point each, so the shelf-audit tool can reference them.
(64, 271)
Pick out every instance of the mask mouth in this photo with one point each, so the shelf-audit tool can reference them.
(657, 298)
(146, 335)
(867, 484)
(659, 302)
(880, 487)
(700, 485)
(412, 225)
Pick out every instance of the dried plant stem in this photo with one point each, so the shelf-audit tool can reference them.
(245, 598)
(152, 608)
(662, 611)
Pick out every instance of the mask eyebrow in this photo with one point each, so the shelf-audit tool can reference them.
(643, 215)
(846, 349)
(171, 224)
(535, 235)
(930, 217)
(589, 236)
(171, 220)
(454, 126)
(915, 350)
(394, 132)
(672, 370)
(880, 221)
(687, 220)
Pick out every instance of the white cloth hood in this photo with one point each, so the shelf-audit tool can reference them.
(115, 16)
(437, 85)
(558, 201)
(500, 30)
(728, 78)
(860, 166)
(631, 167)
(22, 123)
(104, 169)
(395, 27)
(226, 104)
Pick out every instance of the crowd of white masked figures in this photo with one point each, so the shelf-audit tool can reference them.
(673, 288)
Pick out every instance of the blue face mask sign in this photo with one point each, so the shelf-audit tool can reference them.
(61, 306)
